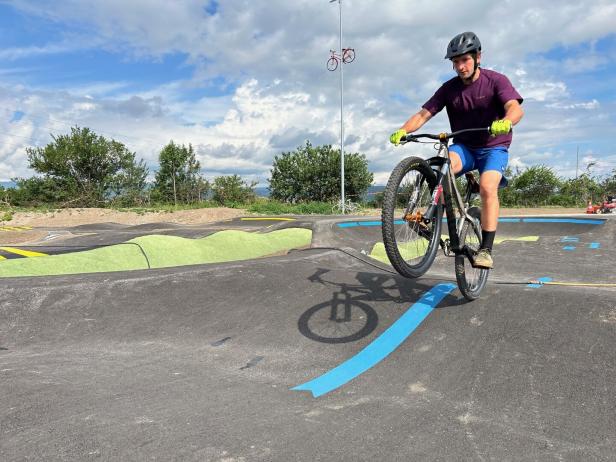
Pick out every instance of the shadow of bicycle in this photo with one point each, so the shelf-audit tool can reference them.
(348, 316)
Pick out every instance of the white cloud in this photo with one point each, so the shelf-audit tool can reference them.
(589, 105)
(275, 53)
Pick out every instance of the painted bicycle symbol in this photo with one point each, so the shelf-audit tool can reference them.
(348, 56)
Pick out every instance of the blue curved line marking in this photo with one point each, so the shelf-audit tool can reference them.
(575, 221)
(509, 220)
(380, 347)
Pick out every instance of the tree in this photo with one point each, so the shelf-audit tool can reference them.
(536, 185)
(313, 174)
(178, 178)
(578, 191)
(85, 167)
(609, 184)
(508, 196)
(230, 190)
(36, 191)
(129, 185)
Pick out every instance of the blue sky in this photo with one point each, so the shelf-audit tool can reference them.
(245, 80)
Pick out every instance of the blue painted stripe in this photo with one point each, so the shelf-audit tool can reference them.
(594, 245)
(576, 221)
(570, 239)
(541, 280)
(569, 247)
(380, 347)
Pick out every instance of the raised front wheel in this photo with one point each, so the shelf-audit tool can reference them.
(411, 240)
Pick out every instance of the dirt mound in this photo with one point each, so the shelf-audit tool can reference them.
(81, 216)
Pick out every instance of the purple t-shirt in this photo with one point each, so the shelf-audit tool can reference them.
(474, 106)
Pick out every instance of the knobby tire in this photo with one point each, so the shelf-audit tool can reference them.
(390, 199)
(467, 285)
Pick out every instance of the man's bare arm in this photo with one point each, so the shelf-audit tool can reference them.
(417, 121)
(513, 111)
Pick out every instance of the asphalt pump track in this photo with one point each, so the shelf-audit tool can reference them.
(320, 354)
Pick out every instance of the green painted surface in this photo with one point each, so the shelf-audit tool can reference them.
(414, 251)
(161, 251)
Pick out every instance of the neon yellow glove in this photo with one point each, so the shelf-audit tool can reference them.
(397, 136)
(500, 127)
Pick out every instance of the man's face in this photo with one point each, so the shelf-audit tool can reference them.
(464, 65)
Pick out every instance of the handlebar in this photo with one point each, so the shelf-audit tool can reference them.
(441, 136)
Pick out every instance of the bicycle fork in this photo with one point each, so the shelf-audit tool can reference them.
(438, 192)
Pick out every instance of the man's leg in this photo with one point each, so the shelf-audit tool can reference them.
(488, 189)
(456, 162)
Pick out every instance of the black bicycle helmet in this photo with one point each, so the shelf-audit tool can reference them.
(466, 42)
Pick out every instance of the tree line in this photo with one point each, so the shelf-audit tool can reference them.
(83, 169)
(538, 186)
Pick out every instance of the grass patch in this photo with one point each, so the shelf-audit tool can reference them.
(272, 207)
(408, 252)
(169, 208)
(6, 215)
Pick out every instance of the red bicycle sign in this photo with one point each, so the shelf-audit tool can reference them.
(348, 56)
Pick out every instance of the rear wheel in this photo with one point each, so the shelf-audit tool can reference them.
(348, 55)
(410, 240)
(471, 281)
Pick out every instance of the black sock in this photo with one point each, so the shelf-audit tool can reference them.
(487, 239)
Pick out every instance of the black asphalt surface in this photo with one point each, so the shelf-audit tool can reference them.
(198, 362)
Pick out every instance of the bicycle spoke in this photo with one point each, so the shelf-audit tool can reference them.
(410, 239)
(470, 280)
(412, 234)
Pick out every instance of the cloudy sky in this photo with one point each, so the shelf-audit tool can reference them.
(245, 80)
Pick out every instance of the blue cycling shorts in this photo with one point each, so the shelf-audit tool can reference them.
(483, 159)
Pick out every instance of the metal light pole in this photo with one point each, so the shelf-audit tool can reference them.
(342, 203)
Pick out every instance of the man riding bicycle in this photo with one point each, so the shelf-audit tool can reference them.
(477, 97)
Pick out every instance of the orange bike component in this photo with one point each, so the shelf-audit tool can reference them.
(416, 217)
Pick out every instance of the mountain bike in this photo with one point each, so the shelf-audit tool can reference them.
(412, 216)
(350, 207)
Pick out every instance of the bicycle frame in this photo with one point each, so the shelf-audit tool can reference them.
(453, 201)
(446, 192)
